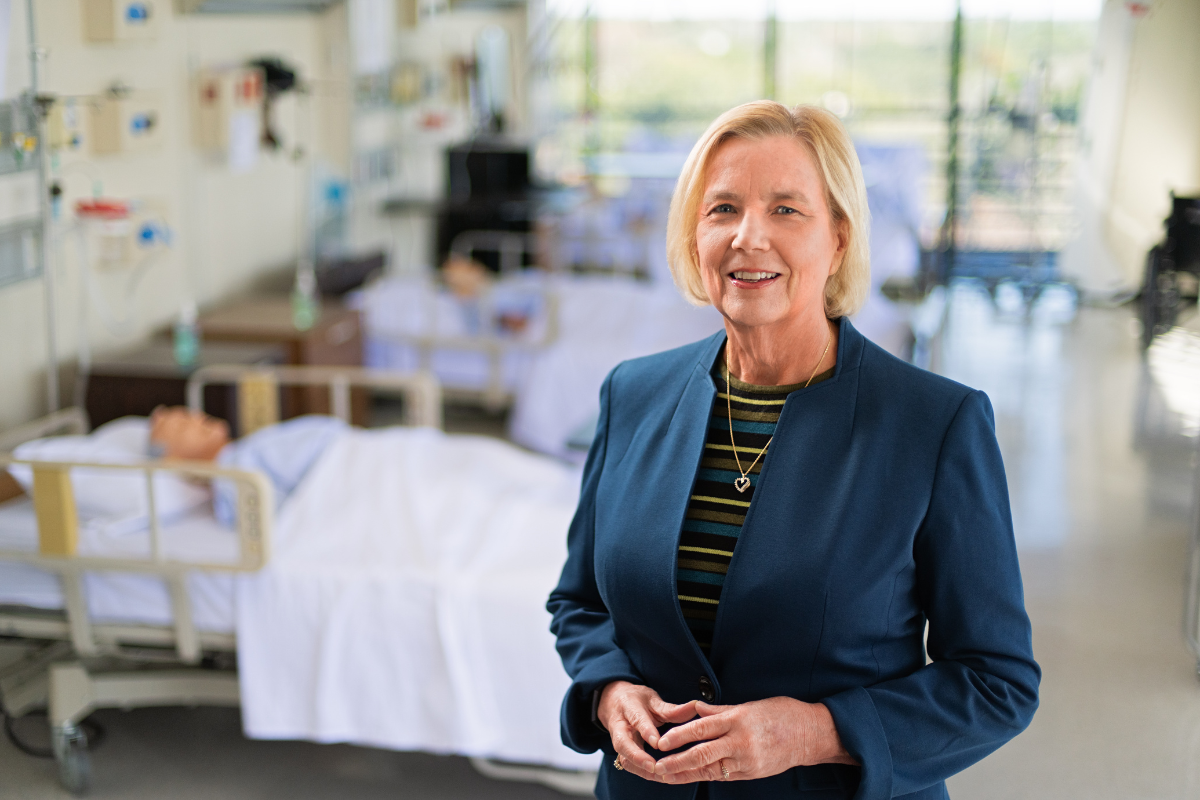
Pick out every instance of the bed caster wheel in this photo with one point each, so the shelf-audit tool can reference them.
(74, 761)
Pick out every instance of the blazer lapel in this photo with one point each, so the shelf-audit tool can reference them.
(675, 471)
(649, 496)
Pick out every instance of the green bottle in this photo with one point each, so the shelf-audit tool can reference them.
(187, 336)
(306, 306)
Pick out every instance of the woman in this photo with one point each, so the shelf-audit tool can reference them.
(769, 517)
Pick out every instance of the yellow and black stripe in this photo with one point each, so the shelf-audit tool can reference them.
(717, 510)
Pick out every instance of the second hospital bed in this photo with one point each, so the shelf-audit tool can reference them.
(581, 327)
(184, 611)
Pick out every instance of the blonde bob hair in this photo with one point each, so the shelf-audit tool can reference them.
(822, 134)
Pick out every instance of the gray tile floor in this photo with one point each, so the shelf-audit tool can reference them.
(1101, 484)
(201, 753)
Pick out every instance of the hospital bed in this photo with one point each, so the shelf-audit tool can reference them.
(412, 323)
(179, 648)
(593, 322)
(142, 654)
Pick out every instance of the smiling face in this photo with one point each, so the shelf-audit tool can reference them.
(765, 237)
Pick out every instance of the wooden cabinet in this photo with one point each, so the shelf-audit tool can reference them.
(336, 339)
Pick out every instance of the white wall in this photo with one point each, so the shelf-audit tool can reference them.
(228, 227)
(1141, 139)
(1160, 134)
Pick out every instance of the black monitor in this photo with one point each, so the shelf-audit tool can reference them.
(1183, 233)
(478, 170)
(488, 189)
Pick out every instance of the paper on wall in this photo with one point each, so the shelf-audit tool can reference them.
(243, 140)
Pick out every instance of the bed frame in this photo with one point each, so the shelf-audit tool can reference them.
(75, 666)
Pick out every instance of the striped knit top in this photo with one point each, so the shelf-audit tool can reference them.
(716, 510)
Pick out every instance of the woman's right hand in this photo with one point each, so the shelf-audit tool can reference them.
(631, 714)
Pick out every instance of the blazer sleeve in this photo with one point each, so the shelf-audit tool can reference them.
(586, 637)
(981, 687)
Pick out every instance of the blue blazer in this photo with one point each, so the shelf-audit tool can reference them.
(882, 505)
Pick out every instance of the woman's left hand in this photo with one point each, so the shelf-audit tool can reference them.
(751, 740)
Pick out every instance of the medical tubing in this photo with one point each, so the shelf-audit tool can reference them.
(27, 749)
(93, 730)
(82, 342)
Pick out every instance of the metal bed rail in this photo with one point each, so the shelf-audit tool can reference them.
(258, 395)
(71, 420)
(58, 542)
(77, 665)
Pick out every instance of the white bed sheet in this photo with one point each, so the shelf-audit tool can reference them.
(413, 617)
(123, 597)
(605, 321)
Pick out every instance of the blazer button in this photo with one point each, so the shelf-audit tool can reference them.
(706, 689)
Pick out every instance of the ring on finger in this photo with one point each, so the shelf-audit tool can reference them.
(724, 772)
(617, 763)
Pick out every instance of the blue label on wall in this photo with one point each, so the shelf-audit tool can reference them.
(141, 124)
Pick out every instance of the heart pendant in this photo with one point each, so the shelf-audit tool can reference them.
(742, 484)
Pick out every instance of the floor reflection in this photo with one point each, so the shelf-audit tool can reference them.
(1099, 460)
(1017, 356)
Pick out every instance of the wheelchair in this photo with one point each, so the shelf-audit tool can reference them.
(1172, 269)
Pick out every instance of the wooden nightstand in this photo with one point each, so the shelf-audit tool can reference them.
(336, 339)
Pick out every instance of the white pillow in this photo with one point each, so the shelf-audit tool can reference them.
(112, 494)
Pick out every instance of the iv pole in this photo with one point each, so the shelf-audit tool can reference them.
(39, 111)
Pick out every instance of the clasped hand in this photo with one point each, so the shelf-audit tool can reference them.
(751, 740)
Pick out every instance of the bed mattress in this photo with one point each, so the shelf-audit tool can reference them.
(124, 597)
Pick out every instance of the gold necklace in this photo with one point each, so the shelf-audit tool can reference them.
(743, 483)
